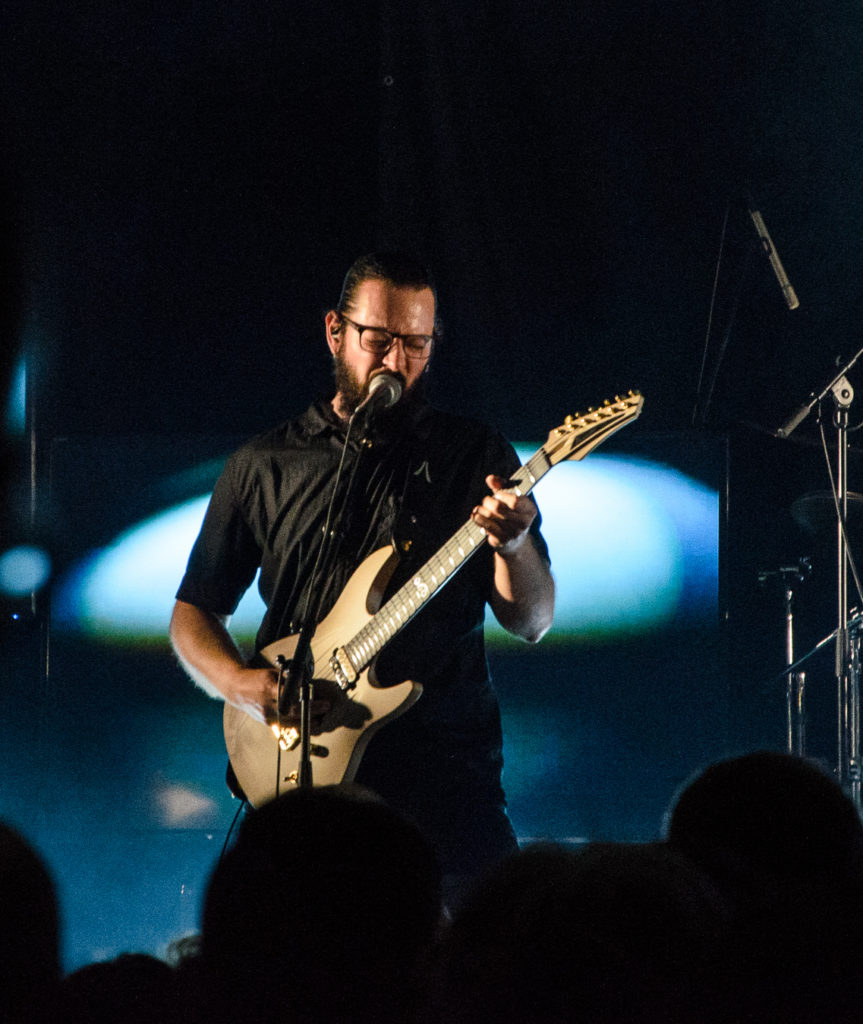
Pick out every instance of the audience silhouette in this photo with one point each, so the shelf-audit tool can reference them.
(325, 909)
(29, 931)
(784, 844)
(133, 988)
(328, 908)
(609, 932)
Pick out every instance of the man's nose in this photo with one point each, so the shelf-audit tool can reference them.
(395, 359)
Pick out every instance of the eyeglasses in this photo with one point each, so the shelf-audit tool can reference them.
(380, 341)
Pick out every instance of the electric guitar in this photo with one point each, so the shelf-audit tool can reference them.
(265, 759)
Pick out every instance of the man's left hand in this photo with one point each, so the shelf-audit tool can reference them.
(504, 517)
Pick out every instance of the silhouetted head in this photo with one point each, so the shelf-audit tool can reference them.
(768, 816)
(785, 845)
(29, 926)
(133, 988)
(608, 933)
(328, 900)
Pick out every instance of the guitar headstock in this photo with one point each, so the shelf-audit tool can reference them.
(580, 434)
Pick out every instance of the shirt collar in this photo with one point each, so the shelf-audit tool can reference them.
(320, 417)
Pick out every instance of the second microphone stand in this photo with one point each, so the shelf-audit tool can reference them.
(847, 660)
(847, 646)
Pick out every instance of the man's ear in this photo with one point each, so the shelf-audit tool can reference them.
(333, 326)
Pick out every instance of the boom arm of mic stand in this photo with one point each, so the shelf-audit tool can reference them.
(801, 412)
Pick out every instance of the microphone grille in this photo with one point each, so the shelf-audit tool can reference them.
(390, 386)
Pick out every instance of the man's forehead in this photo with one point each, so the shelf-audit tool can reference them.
(383, 297)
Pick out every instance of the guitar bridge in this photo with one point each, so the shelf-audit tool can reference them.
(288, 738)
(346, 675)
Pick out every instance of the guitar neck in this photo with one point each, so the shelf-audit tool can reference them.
(428, 580)
(573, 440)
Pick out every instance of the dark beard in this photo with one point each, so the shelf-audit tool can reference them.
(347, 383)
(353, 392)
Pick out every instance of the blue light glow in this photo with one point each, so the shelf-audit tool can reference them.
(126, 591)
(23, 570)
(16, 400)
(634, 545)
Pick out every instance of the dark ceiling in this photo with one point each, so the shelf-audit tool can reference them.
(186, 186)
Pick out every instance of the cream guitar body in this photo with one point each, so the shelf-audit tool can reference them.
(265, 766)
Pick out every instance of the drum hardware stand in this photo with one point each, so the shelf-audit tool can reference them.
(795, 681)
(847, 664)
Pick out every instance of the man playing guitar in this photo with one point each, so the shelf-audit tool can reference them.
(406, 480)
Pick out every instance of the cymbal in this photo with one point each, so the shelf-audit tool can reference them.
(816, 511)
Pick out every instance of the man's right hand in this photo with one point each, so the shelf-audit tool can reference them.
(210, 656)
(208, 653)
(254, 691)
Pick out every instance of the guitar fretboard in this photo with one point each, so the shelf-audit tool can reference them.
(428, 580)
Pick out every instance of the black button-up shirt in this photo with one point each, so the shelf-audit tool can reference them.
(412, 483)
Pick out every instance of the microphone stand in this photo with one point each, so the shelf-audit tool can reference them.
(296, 677)
(847, 662)
(385, 389)
(802, 411)
(847, 676)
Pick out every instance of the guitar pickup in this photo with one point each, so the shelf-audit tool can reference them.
(345, 673)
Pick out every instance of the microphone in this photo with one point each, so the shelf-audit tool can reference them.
(842, 392)
(788, 292)
(795, 419)
(385, 389)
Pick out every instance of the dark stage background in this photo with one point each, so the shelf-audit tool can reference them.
(181, 191)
